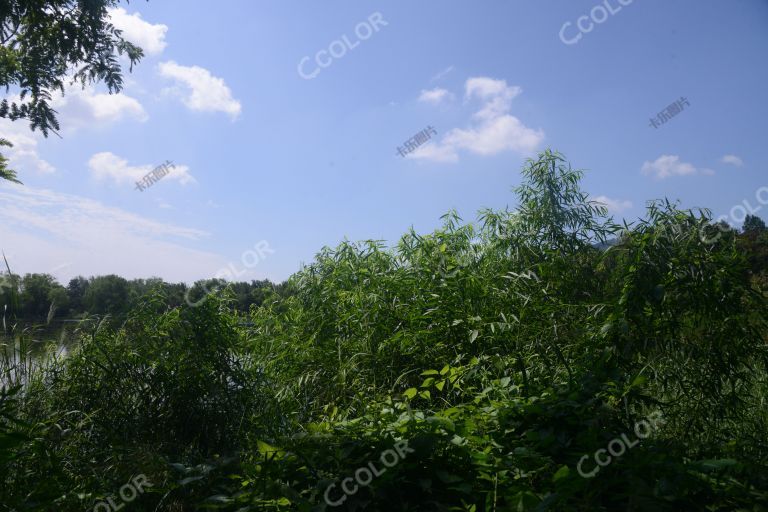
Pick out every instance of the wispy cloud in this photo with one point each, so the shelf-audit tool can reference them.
(732, 160)
(670, 165)
(108, 166)
(23, 156)
(492, 128)
(442, 74)
(150, 37)
(199, 90)
(44, 229)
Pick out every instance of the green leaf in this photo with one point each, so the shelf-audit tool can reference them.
(270, 450)
(442, 422)
(561, 473)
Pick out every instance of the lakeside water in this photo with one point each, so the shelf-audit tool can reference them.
(24, 346)
(38, 336)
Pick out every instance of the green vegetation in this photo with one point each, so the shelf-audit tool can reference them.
(39, 298)
(502, 352)
(5, 172)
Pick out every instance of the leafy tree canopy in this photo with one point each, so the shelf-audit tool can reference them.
(45, 43)
(753, 224)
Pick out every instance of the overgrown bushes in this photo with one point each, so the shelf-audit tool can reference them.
(502, 353)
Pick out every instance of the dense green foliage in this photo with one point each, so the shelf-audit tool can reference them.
(504, 353)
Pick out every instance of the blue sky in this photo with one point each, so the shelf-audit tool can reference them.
(263, 155)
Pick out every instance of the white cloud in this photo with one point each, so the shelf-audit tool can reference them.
(23, 155)
(80, 108)
(44, 229)
(494, 136)
(199, 90)
(492, 130)
(670, 165)
(732, 160)
(108, 166)
(484, 87)
(497, 95)
(435, 96)
(77, 108)
(614, 205)
(151, 38)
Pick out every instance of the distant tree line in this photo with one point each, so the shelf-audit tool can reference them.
(41, 298)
